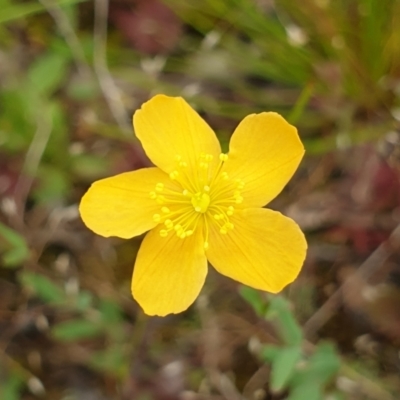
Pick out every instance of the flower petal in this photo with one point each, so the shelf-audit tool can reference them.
(121, 205)
(264, 152)
(264, 250)
(168, 127)
(169, 272)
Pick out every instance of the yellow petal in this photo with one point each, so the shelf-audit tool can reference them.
(169, 272)
(168, 127)
(121, 205)
(264, 250)
(264, 152)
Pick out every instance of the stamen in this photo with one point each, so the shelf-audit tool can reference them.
(238, 199)
(197, 197)
(163, 233)
(174, 175)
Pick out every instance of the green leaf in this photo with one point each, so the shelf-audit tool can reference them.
(112, 360)
(254, 298)
(110, 312)
(283, 366)
(53, 184)
(12, 387)
(323, 364)
(47, 73)
(306, 391)
(43, 287)
(76, 330)
(88, 166)
(16, 250)
(289, 330)
(12, 12)
(269, 353)
(84, 300)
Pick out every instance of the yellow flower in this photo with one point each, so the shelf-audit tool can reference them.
(201, 204)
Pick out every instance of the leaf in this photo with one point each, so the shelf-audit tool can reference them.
(12, 387)
(16, 11)
(110, 312)
(289, 330)
(269, 353)
(53, 184)
(283, 366)
(43, 287)
(47, 73)
(16, 251)
(254, 298)
(323, 365)
(76, 330)
(88, 166)
(112, 360)
(84, 300)
(306, 391)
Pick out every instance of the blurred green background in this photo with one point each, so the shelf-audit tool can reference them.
(72, 73)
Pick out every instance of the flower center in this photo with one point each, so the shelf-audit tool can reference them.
(197, 198)
(200, 202)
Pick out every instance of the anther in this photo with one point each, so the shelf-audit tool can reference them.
(206, 188)
(153, 195)
(208, 157)
(238, 199)
(163, 233)
(240, 184)
(185, 192)
(159, 187)
(178, 158)
(157, 218)
(205, 245)
(178, 227)
(169, 224)
(230, 210)
(223, 157)
(183, 164)
(165, 210)
(225, 176)
(174, 175)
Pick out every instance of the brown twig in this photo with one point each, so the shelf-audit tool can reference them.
(110, 90)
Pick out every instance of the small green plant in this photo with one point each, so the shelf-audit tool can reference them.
(295, 369)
